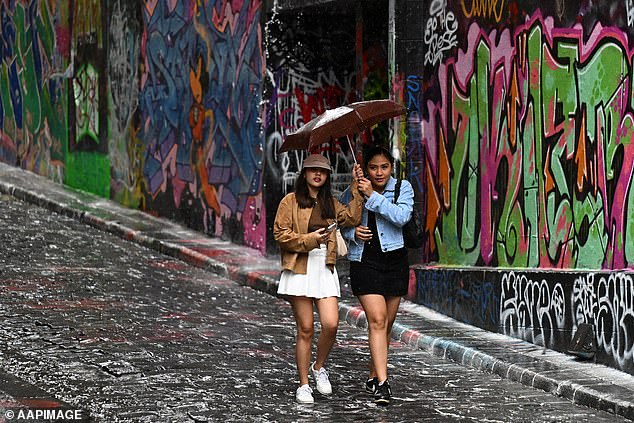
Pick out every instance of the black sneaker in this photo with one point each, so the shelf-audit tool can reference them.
(583, 344)
(371, 384)
(586, 351)
(383, 394)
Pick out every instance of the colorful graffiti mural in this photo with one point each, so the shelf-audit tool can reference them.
(311, 68)
(125, 150)
(34, 55)
(199, 105)
(87, 161)
(525, 132)
(302, 85)
(528, 152)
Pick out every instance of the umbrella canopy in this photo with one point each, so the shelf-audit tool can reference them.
(341, 122)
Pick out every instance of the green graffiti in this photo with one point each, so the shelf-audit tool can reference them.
(510, 235)
(589, 214)
(538, 169)
(461, 219)
(88, 171)
(532, 146)
(36, 126)
(627, 242)
(600, 82)
(558, 87)
(5, 96)
(86, 88)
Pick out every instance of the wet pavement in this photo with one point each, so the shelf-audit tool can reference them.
(125, 334)
(88, 327)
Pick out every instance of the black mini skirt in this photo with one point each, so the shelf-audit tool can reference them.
(388, 276)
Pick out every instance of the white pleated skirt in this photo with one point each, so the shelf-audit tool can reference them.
(318, 282)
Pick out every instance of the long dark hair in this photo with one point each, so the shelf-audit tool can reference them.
(324, 196)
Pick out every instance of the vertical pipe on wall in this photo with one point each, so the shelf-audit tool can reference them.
(358, 49)
(391, 73)
(358, 69)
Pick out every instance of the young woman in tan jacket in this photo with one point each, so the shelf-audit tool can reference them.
(305, 230)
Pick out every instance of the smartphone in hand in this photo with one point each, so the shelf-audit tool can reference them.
(331, 227)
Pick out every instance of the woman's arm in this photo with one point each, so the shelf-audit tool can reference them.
(344, 199)
(349, 213)
(283, 233)
(399, 213)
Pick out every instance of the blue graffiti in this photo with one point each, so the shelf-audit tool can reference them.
(8, 38)
(35, 44)
(434, 290)
(166, 97)
(200, 104)
(465, 297)
(414, 152)
(235, 80)
(477, 304)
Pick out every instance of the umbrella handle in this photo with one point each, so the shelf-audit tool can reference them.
(354, 155)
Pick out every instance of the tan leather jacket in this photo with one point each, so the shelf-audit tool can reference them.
(290, 230)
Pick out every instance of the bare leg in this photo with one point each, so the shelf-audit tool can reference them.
(303, 311)
(375, 307)
(329, 320)
(392, 304)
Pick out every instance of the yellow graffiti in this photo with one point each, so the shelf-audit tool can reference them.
(484, 8)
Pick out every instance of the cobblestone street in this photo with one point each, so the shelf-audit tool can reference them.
(128, 334)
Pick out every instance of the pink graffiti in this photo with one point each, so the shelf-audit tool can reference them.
(533, 104)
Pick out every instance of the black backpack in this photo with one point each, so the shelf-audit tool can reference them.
(413, 231)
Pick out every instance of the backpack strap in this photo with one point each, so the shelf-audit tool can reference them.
(397, 189)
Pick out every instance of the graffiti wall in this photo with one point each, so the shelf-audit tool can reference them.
(34, 70)
(310, 68)
(199, 116)
(605, 301)
(525, 128)
(156, 104)
(125, 149)
(542, 307)
(87, 162)
(318, 60)
(471, 297)
(520, 147)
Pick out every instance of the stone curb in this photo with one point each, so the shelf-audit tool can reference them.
(352, 314)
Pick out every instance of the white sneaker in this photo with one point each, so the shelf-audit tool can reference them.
(304, 395)
(321, 380)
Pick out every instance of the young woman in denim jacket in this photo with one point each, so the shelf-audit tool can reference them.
(379, 268)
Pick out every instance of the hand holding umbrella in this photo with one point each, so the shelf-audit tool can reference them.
(357, 172)
(365, 187)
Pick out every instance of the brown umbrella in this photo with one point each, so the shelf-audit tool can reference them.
(340, 122)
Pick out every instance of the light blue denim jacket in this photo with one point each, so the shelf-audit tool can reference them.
(390, 218)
